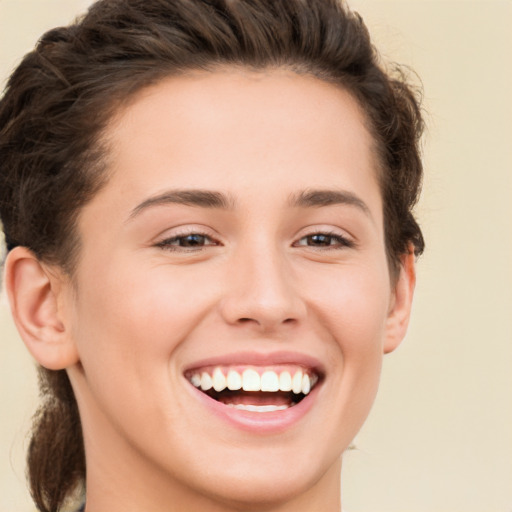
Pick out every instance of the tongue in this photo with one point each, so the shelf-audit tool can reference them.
(254, 398)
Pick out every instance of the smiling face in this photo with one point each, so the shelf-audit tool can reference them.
(232, 301)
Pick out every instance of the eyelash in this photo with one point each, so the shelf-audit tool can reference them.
(175, 243)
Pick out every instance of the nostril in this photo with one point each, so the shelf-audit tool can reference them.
(248, 320)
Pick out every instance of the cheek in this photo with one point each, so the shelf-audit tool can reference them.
(139, 314)
(128, 327)
(359, 327)
(353, 306)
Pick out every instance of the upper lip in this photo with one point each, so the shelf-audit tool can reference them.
(253, 358)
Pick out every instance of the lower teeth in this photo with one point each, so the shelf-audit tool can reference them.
(259, 408)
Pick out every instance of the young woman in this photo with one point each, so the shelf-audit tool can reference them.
(207, 209)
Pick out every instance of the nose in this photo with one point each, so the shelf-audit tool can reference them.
(261, 292)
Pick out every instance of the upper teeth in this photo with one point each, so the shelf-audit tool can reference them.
(298, 381)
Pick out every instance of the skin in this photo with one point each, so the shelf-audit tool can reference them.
(138, 312)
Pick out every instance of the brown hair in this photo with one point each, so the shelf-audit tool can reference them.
(60, 98)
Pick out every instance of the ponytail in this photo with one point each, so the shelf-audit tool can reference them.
(56, 458)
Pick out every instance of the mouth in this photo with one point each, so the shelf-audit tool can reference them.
(255, 389)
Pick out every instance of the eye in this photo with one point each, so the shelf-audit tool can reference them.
(189, 241)
(324, 240)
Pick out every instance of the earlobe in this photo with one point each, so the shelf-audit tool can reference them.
(34, 297)
(400, 311)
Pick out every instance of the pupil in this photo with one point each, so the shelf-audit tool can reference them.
(192, 240)
(320, 239)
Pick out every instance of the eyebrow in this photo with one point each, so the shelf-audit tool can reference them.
(195, 197)
(213, 199)
(318, 198)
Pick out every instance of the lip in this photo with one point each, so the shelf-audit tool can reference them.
(260, 359)
(262, 423)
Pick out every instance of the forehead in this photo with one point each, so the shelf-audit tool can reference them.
(277, 120)
(258, 139)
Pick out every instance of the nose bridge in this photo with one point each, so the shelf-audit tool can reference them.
(261, 290)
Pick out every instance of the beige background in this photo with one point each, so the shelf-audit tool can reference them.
(440, 436)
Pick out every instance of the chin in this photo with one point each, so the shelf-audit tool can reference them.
(267, 481)
(258, 491)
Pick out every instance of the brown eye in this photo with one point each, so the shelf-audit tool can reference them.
(320, 240)
(189, 241)
(324, 240)
(194, 240)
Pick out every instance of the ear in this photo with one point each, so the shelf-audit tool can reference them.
(401, 303)
(35, 294)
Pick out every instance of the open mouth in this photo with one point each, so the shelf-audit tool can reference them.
(255, 389)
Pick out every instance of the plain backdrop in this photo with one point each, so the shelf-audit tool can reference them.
(439, 438)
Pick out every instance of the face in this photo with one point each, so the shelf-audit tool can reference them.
(232, 301)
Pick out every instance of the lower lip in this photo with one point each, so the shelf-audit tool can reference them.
(257, 422)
